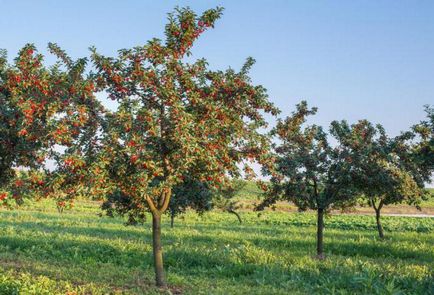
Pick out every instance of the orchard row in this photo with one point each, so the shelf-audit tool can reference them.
(181, 136)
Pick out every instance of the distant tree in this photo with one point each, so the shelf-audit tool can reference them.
(382, 168)
(224, 199)
(198, 196)
(119, 203)
(175, 119)
(309, 172)
(423, 147)
(46, 113)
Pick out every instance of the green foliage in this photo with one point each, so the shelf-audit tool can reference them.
(383, 168)
(46, 114)
(191, 194)
(309, 172)
(423, 150)
(176, 119)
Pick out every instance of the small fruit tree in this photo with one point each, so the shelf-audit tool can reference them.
(383, 169)
(309, 172)
(44, 113)
(423, 148)
(177, 118)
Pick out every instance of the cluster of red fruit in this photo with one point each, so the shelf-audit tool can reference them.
(3, 196)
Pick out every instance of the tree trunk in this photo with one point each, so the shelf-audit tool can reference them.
(320, 234)
(379, 226)
(377, 216)
(157, 209)
(160, 279)
(172, 219)
(237, 215)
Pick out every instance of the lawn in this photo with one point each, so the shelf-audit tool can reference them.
(44, 252)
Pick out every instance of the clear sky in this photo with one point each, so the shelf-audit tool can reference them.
(352, 59)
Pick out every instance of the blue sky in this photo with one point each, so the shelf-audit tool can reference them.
(351, 59)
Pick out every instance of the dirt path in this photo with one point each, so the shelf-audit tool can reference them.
(402, 215)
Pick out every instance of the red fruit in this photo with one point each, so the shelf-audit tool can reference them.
(3, 196)
(19, 183)
(117, 79)
(134, 158)
(90, 87)
(22, 132)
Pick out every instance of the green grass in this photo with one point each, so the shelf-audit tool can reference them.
(249, 191)
(43, 252)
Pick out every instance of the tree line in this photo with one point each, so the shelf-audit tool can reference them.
(183, 134)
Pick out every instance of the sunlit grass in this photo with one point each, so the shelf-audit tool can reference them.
(43, 251)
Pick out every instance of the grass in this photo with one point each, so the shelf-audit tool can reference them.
(43, 252)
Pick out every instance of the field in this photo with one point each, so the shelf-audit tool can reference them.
(44, 252)
(249, 195)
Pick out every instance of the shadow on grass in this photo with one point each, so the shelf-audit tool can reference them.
(102, 251)
(190, 260)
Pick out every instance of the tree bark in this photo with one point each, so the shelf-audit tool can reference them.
(157, 209)
(237, 215)
(377, 217)
(160, 278)
(320, 234)
(379, 226)
(172, 219)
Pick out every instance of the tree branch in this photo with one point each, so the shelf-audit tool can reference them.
(380, 205)
(167, 195)
(151, 205)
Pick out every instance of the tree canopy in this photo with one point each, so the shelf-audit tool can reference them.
(177, 118)
(383, 169)
(46, 114)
